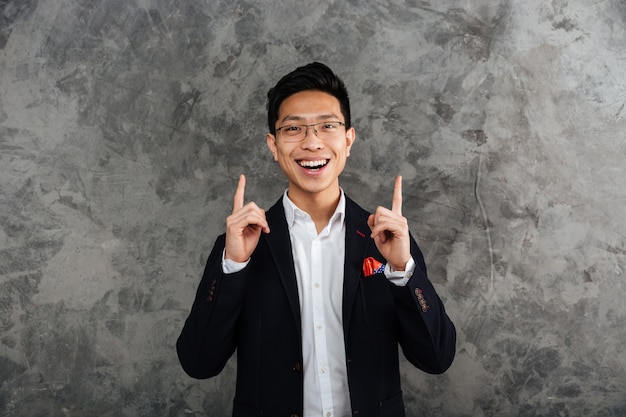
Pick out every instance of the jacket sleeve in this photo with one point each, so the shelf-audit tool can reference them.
(427, 335)
(209, 335)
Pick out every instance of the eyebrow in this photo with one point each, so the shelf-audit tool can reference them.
(297, 118)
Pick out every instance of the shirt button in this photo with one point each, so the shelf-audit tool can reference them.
(323, 370)
(316, 285)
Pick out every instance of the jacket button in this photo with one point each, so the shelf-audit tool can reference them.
(294, 415)
(296, 366)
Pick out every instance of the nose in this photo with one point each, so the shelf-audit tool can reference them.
(306, 131)
(312, 141)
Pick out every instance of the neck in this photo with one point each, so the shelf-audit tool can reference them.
(320, 206)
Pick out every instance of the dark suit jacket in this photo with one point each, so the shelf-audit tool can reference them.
(256, 311)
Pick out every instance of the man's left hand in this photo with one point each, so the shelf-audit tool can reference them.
(390, 230)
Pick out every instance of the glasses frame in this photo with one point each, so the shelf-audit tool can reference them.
(279, 130)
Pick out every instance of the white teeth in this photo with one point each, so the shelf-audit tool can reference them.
(313, 164)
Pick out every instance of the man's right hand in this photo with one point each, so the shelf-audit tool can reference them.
(243, 226)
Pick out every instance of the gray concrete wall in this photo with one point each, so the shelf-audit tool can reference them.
(124, 125)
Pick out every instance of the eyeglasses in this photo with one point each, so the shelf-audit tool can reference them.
(323, 130)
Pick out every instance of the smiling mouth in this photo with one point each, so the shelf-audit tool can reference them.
(313, 165)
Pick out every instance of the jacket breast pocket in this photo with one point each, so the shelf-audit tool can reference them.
(378, 301)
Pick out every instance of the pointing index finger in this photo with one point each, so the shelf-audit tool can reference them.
(396, 202)
(238, 199)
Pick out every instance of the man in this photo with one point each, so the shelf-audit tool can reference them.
(316, 293)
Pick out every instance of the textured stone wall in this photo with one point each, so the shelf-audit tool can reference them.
(125, 123)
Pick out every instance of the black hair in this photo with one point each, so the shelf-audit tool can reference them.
(311, 77)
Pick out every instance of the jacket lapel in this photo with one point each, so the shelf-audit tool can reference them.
(357, 240)
(279, 244)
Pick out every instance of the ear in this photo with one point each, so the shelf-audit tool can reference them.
(350, 137)
(271, 144)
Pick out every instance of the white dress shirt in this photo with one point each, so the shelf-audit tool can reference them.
(319, 260)
(319, 265)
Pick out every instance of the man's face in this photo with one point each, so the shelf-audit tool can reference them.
(312, 165)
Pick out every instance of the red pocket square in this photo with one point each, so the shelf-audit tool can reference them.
(371, 266)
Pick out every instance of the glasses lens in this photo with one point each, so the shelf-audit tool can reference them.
(294, 133)
(328, 130)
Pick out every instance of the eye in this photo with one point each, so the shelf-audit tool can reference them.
(330, 126)
(291, 130)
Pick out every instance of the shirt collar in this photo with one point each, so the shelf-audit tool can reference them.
(292, 212)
